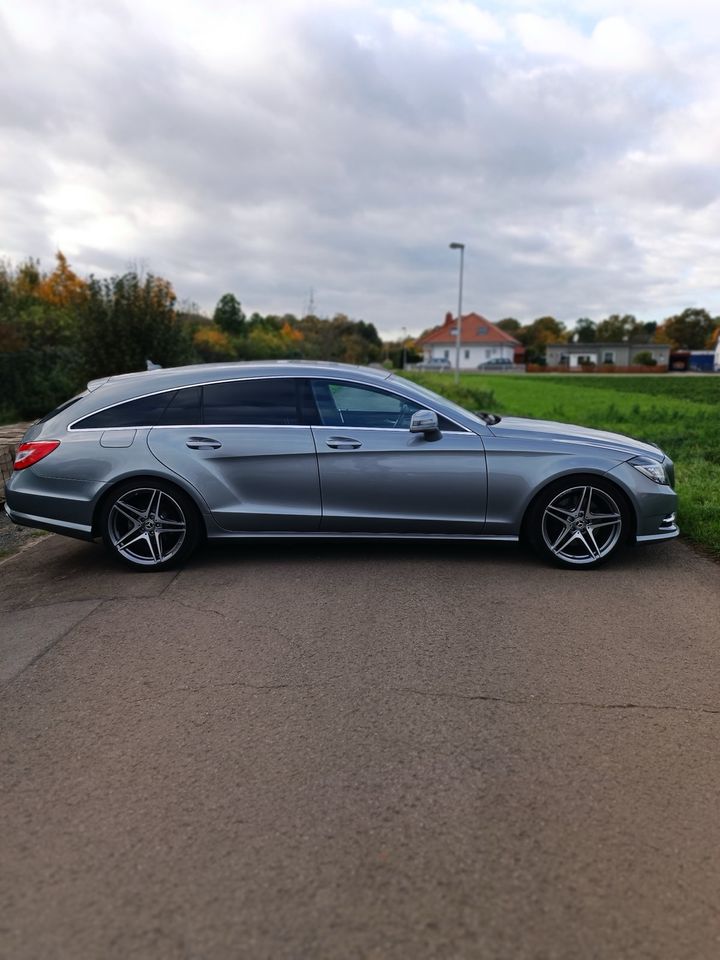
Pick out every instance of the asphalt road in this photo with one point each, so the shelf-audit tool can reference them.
(359, 751)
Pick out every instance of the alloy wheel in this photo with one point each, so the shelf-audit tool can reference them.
(147, 526)
(582, 525)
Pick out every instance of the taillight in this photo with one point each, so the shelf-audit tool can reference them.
(30, 453)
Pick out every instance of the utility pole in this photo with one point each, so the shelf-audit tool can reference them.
(458, 331)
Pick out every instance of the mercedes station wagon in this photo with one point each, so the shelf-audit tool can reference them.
(156, 462)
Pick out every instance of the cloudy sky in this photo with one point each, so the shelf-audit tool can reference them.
(274, 147)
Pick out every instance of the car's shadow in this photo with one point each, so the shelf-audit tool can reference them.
(63, 560)
(421, 552)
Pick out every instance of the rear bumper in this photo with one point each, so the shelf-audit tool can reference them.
(68, 529)
(62, 506)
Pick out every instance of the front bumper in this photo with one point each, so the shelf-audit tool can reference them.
(655, 504)
(666, 531)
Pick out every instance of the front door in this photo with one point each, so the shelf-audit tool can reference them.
(376, 476)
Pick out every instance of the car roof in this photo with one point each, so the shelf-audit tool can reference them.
(165, 378)
(108, 391)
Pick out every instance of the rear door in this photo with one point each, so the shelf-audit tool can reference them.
(241, 443)
(376, 476)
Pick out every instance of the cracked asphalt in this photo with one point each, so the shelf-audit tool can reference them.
(359, 751)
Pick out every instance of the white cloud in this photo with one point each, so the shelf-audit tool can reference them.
(476, 24)
(268, 148)
(613, 44)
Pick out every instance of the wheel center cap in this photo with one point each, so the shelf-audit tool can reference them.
(149, 525)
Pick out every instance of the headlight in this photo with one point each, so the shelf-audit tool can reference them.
(651, 469)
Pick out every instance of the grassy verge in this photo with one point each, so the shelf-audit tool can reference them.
(682, 415)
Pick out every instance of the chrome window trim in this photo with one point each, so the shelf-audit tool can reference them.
(345, 426)
(71, 428)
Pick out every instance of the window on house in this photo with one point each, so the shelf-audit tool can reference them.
(446, 354)
(482, 331)
(609, 356)
(467, 354)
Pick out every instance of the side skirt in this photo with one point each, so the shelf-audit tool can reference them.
(334, 535)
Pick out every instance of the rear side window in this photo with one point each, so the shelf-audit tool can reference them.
(63, 406)
(272, 401)
(143, 412)
(184, 409)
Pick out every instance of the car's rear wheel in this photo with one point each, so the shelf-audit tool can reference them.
(149, 525)
(579, 522)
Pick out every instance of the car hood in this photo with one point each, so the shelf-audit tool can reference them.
(510, 427)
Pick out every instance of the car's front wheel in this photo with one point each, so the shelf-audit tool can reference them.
(579, 522)
(149, 524)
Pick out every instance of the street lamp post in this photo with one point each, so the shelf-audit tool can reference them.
(461, 248)
(404, 348)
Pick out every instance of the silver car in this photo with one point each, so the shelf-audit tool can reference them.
(156, 462)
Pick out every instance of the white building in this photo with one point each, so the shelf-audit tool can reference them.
(481, 342)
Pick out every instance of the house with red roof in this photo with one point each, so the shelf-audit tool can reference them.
(480, 342)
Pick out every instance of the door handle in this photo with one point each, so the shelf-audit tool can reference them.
(202, 443)
(343, 443)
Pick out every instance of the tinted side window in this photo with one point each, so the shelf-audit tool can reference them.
(183, 409)
(360, 406)
(143, 412)
(63, 406)
(271, 401)
(353, 405)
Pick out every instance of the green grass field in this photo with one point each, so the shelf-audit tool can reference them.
(680, 414)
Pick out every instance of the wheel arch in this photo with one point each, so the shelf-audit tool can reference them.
(149, 475)
(580, 475)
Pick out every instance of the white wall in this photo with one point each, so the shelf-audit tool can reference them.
(471, 356)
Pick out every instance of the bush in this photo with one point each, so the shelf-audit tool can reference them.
(645, 359)
(35, 381)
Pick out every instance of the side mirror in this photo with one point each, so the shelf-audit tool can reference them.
(424, 421)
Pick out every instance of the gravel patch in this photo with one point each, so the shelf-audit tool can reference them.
(13, 538)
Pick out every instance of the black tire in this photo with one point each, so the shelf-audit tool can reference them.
(579, 522)
(149, 525)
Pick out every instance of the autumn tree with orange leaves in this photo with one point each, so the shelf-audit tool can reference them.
(63, 287)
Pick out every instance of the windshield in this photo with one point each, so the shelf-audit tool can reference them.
(431, 395)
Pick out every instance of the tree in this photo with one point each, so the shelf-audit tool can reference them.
(585, 331)
(397, 350)
(125, 321)
(617, 328)
(212, 345)
(693, 329)
(537, 335)
(510, 325)
(647, 332)
(229, 316)
(63, 287)
(38, 342)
